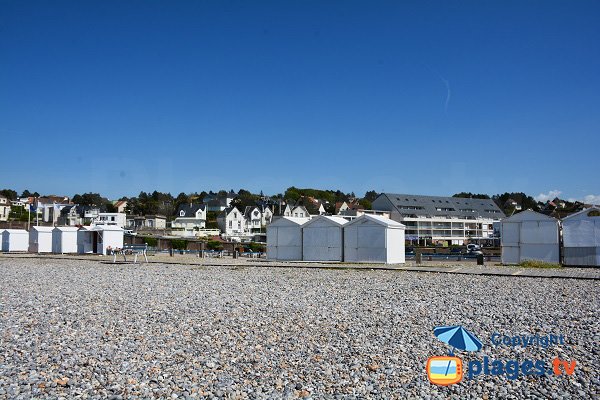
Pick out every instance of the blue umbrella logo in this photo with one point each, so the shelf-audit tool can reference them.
(457, 337)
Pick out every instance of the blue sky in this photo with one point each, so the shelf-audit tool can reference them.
(417, 97)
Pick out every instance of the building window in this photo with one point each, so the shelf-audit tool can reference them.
(230, 224)
(182, 213)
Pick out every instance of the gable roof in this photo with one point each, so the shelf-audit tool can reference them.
(529, 215)
(410, 204)
(289, 221)
(378, 219)
(339, 221)
(189, 210)
(583, 214)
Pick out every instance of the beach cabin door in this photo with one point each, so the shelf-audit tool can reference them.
(95, 242)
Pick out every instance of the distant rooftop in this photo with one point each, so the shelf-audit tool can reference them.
(410, 204)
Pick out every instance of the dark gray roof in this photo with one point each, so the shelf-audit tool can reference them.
(189, 210)
(410, 205)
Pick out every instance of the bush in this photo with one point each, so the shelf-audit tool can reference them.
(538, 264)
(256, 247)
(214, 245)
(179, 244)
(151, 242)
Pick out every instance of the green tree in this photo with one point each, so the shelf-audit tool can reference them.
(9, 194)
(469, 195)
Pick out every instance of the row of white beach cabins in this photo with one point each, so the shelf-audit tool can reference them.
(370, 238)
(63, 239)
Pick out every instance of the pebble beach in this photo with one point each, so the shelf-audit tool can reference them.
(91, 329)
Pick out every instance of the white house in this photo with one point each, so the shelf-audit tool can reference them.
(4, 208)
(40, 239)
(15, 240)
(252, 219)
(284, 239)
(266, 215)
(120, 205)
(581, 238)
(155, 222)
(373, 238)
(64, 239)
(295, 211)
(529, 235)
(116, 219)
(190, 217)
(231, 222)
(323, 239)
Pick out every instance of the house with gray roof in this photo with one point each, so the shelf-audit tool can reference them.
(190, 217)
(445, 220)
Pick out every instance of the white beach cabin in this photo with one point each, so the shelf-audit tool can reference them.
(529, 235)
(40, 239)
(109, 237)
(99, 239)
(323, 239)
(64, 239)
(15, 240)
(581, 238)
(284, 239)
(373, 238)
(87, 240)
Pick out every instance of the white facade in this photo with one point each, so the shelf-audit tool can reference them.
(252, 219)
(4, 208)
(190, 218)
(232, 222)
(323, 239)
(581, 238)
(529, 235)
(266, 216)
(296, 212)
(116, 219)
(110, 237)
(373, 238)
(15, 240)
(64, 239)
(284, 239)
(40, 239)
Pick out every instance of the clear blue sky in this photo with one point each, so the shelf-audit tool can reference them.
(420, 97)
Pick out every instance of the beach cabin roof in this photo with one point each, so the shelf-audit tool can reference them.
(289, 221)
(67, 228)
(43, 228)
(378, 219)
(529, 215)
(339, 221)
(584, 214)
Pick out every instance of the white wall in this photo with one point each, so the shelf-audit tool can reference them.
(368, 241)
(15, 240)
(323, 239)
(581, 239)
(112, 238)
(530, 240)
(284, 239)
(40, 239)
(64, 240)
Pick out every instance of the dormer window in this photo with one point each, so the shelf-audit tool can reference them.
(182, 213)
(234, 215)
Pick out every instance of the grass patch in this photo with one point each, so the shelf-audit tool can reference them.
(538, 264)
